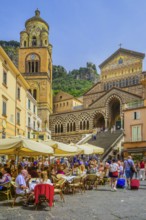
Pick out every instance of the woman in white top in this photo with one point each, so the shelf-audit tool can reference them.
(44, 178)
(114, 172)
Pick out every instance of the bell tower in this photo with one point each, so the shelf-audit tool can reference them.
(35, 63)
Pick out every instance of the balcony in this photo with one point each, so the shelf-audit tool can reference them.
(133, 105)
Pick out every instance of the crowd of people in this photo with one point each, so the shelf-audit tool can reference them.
(44, 170)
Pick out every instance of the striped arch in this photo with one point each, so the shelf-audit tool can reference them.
(71, 123)
(98, 112)
(109, 99)
(58, 125)
(84, 121)
(98, 119)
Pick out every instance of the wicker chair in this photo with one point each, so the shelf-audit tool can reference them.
(59, 188)
(23, 196)
(75, 184)
(83, 181)
(91, 181)
(7, 190)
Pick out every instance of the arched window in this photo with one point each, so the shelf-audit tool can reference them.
(67, 127)
(105, 86)
(46, 42)
(55, 128)
(25, 43)
(84, 125)
(87, 125)
(117, 83)
(34, 41)
(70, 126)
(61, 128)
(136, 79)
(35, 94)
(133, 80)
(32, 63)
(74, 126)
(120, 83)
(81, 125)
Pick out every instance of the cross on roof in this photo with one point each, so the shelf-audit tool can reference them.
(120, 45)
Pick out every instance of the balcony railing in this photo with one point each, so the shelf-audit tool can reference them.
(133, 105)
(140, 139)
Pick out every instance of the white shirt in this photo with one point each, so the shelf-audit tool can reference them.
(20, 181)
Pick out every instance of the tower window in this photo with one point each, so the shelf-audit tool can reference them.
(35, 94)
(24, 43)
(34, 41)
(32, 63)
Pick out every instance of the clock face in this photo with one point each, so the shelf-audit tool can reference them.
(32, 56)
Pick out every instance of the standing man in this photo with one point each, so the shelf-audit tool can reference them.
(129, 169)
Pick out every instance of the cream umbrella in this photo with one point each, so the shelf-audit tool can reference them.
(63, 150)
(89, 149)
(85, 149)
(96, 150)
(23, 146)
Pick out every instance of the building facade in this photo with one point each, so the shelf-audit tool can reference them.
(135, 126)
(103, 104)
(35, 64)
(13, 88)
(33, 122)
(64, 102)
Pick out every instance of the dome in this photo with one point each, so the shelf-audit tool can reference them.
(37, 18)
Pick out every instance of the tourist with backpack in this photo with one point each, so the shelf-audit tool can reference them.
(129, 169)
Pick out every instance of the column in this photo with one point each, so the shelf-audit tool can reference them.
(106, 123)
(121, 122)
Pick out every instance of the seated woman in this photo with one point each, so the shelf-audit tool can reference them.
(76, 170)
(44, 178)
(92, 169)
(60, 170)
(83, 169)
(6, 177)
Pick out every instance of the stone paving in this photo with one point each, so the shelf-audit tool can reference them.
(100, 204)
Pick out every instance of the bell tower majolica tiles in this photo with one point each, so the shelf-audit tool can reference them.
(35, 63)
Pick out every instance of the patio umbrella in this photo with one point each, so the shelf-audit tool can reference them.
(63, 150)
(96, 150)
(89, 149)
(23, 146)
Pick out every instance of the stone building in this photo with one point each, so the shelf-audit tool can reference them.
(33, 122)
(13, 89)
(103, 104)
(66, 102)
(35, 64)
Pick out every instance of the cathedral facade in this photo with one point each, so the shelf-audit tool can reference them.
(35, 64)
(104, 104)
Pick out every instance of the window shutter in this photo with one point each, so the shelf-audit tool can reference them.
(139, 133)
(134, 133)
(138, 115)
(133, 114)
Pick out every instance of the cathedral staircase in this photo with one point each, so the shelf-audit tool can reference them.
(107, 140)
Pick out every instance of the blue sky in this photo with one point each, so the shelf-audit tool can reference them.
(80, 30)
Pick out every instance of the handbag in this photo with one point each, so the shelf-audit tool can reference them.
(115, 173)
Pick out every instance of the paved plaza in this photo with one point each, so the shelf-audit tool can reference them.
(101, 204)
